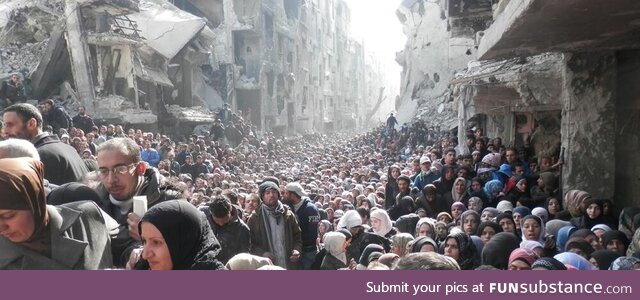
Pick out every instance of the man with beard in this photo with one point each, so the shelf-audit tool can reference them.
(308, 219)
(275, 233)
(62, 163)
(123, 175)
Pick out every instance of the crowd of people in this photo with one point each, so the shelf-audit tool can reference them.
(396, 197)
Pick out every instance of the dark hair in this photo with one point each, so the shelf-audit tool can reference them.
(26, 112)
(363, 212)
(231, 195)
(220, 207)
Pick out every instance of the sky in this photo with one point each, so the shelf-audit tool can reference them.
(375, 23)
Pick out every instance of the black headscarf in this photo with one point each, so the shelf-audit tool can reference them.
(549, 263)
(364, 257)
(615, 235)
(467, 250)
(491, 224)
(187, 233)
(496, 252)
(421, 241)
(604, 258)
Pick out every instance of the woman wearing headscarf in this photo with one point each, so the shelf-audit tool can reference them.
(625, 263)
(458, 192)
(469, 221)
(323, 228)
(548, 264)
(404, 207)
(629, 221)
(534, 246)
(431, 202)
(505, 220)
(34, 235)
(460, 247)
(547, 186)
(602, 259)
(424, 244)
(591, 215)
(553, 206)
(457, 208)
(489, 214)
(615, 241)
(519, 213)
(246, 261)
(579, 246)
(425, 227)
(445, 183)
(391, 189)
(399, 243)
(475, 203)
(634, 247)
(521, 259)
(336, 257)
(407, 223)
(493, 190)
(476, 189)
(363, 262)
(487, 229)
(575, 261)
(541, 213)
(589, 237)
(176, 236)
(532, 229)
(574, 202)
(563, 236)
(381, 224)
(496, 252)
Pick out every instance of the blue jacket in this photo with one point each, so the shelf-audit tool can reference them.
(423, 179)
(151, 156)
(308, 219)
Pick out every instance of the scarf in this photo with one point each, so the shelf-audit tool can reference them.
(187, 233)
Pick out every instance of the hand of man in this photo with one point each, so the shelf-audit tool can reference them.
(295, 256)
(133, 220)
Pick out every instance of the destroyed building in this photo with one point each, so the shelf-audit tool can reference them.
(288, 66)
(539, 73)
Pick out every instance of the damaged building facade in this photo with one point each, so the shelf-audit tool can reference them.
(548, 75)
(287, 66)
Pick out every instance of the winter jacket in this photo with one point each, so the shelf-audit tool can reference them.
(234, 237)
(259, 239)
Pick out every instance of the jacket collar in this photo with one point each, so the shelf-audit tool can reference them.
(65, 252)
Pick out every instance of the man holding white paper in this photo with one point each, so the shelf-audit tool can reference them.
(124, 175)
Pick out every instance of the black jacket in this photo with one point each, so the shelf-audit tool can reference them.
(234, 237)
(62, 164)
(83, 122)
(57, 117)
(155, 191)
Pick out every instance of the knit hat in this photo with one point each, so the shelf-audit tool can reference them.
(268, 185)
(504, 206)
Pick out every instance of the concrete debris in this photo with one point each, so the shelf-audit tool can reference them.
(246, 83)
(196, 114)
(21, 58)
(114, 107)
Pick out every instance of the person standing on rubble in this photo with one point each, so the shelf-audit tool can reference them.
(12, 91)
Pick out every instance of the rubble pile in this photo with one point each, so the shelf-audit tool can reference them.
(196, 114)
(21, 58)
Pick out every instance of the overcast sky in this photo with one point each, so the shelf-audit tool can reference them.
(375, 23)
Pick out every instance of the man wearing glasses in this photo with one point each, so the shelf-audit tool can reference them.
(123, 175)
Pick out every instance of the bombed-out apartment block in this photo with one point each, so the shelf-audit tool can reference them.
(544, 75)
(287, 66)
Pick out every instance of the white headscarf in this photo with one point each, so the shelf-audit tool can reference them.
(349, 220)
(334, 243)
(385, 222)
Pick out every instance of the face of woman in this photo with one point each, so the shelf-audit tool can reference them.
(155, 251)
(507, 225)
(516, 219)
(487, 233)
(451, 249)
(519, 265)
(376, 223)
(616, 246)
(395, 173)
(554, 206)
(16, 225)
(486, 216)
(424, 230)
(449, 174)
(531, 229)
(473, 205)
(460, 187)
(456, 212)
(427, 248)
(469, 225)
(593, 211)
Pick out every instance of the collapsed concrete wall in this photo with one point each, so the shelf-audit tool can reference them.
(429, 60)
